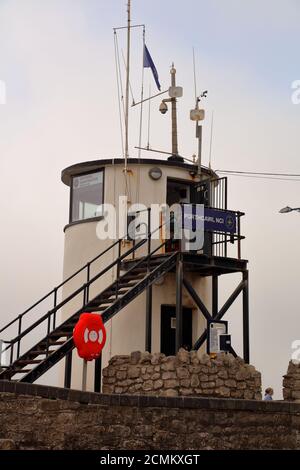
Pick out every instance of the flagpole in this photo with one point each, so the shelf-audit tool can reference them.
(127, 85)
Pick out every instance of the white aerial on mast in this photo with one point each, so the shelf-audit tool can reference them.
(197, 115)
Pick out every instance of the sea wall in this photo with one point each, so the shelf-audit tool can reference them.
(41, 417)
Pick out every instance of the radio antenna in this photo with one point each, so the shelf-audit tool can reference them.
(211, 138)
(194, 69)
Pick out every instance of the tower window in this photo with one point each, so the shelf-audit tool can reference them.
(87, 196)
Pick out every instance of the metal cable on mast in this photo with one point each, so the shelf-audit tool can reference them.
(119, 87)
(141, 123)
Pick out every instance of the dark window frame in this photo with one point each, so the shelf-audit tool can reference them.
(99, 170)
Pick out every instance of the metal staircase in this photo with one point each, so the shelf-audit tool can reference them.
(58, 342)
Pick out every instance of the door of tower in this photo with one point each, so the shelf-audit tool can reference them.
(168, 329)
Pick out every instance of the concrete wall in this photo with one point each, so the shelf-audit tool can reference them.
(39, 417)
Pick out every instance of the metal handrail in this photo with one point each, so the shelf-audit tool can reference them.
(86, 285)
(55, 289)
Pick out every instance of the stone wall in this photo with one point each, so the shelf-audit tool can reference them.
(41, 417)
(183, 374)
(291, 382)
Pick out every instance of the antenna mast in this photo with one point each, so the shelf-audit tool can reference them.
(127, 84)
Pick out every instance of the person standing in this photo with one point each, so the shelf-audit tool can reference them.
(269, 394)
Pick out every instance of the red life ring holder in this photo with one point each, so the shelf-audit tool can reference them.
(89, 336)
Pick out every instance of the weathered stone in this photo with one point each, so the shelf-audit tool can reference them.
(223, 374)
(110, 380)
(146, 376)
(135, 357)
(185, 383)
(208, 384)
(133, 372)
(108, 389)
(7, 444)
(121, 374)
(241, 385)
(186, 391)
(219, 382)
(168, 363)
(204, 359)
(158, 384)
(237, 393)
(248, 394)
(148, 385)
(157, 358)
(194, 357)
(145, 358)
(295, 394)
(194, 381)
(230, 383)
(169, 375)
(183, 356)
(117, 360)
(223, 392)
(171, 383)
(243, 374)
(182, 372)
(155, 376)
(111, 372)
(119, 389)
(168, 392)
(203, 378)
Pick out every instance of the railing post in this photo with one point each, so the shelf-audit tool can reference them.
(54, 303)
(48, 332)
(88, 273)
(246, 346)
(118, 267)
(149, 230)
(68, 370)
(179, 283)
(97, 375)
(239, 236)
(19, 332)
(12, 353)
(215, 302)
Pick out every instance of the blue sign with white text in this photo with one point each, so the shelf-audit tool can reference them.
(215, 220)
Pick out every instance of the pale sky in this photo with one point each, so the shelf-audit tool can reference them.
(57, 61)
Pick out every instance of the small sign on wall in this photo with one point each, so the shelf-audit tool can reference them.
(216, 329)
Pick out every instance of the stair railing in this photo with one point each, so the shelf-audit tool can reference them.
(50, 316)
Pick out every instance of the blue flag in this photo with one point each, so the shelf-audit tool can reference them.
(148, 62)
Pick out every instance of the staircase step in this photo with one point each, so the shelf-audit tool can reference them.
(21, 371)
(52, 343)
(127, 284)
(29, 361)
(60, 334)
(111, 292)
(135, 277)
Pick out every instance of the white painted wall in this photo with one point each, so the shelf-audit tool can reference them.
(126, 331)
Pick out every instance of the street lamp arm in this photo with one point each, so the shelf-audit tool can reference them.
(287, 209)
